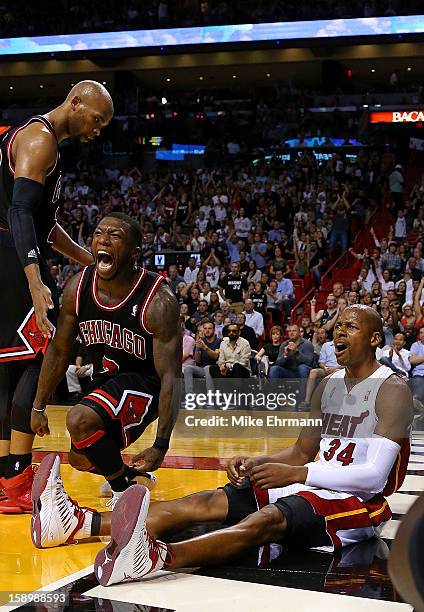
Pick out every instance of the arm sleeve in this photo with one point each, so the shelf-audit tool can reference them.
(27, 195)
(368, 477)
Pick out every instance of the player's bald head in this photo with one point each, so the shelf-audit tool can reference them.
(367, 316)
(93, 94)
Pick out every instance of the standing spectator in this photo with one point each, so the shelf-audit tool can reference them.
(400, 226)
(340, 227)
(396, 185)
(233, 286)
(191, 272)
(258, 252)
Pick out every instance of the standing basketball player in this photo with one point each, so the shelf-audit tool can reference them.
(128, 319)
(29, 194)
(363, 448)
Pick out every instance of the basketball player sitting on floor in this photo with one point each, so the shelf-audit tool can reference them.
(337, 500)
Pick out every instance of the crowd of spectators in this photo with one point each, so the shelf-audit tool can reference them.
(245, 236)
(65, 17)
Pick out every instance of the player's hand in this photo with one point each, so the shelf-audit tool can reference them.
(234, 472)
(149, 460)
(272, 475)
(42, 302)
(39, 423)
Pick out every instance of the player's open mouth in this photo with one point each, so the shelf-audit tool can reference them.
(104, 261)
(340, 348)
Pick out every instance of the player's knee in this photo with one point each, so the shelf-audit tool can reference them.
(267, 525)
(82, 421)
(79, 462)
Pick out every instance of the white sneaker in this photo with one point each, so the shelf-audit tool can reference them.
(132, 552)
(56, 519)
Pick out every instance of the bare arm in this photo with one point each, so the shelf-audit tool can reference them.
(57, 357)
(63, 243)
(417, 299)
(163, 321)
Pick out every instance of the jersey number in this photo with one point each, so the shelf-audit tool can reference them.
(345, 456)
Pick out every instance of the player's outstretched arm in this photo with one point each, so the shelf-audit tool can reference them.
(35, 152)
(57, 357)
(63, 243)
(163, 320)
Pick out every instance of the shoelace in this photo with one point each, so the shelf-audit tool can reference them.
(158, 546)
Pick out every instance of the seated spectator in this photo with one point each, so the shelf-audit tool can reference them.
(327, 365)
(295, 357)
(306, 323)
(259, 299)
(227, 311)
(253, 273)
(174, 279)
(416, 359)
(396, 357)
(201, 312)
(234, 356)
(274, 303)
(286, 290)
(268, 354)
(324, 315)
(253, 318)
(218, 319)
(319, 339)
(246, 332)
(188, 345)
(205, 354)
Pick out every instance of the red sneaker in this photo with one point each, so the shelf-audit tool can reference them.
(18, 492)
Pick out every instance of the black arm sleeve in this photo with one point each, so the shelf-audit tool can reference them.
(27, 195)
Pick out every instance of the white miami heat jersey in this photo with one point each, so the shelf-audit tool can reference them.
(349, 420)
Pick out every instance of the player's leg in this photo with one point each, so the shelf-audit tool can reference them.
(133, 552)
(67, 522)
(95, 447)
(19, 474)
(5, 405)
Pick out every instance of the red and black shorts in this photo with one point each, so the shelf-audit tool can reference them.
(127, 403)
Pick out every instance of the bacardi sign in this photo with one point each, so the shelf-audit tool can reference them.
(409, 116)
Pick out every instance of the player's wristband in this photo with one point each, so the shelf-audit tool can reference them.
(161, 444)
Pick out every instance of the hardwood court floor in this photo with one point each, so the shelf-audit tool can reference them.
(24, 568)
(352, 580)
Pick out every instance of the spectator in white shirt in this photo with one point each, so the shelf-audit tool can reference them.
(242, 225)
(400, 226)
(254, 318)
(191, 272)
(126, 181)
(396, 357)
